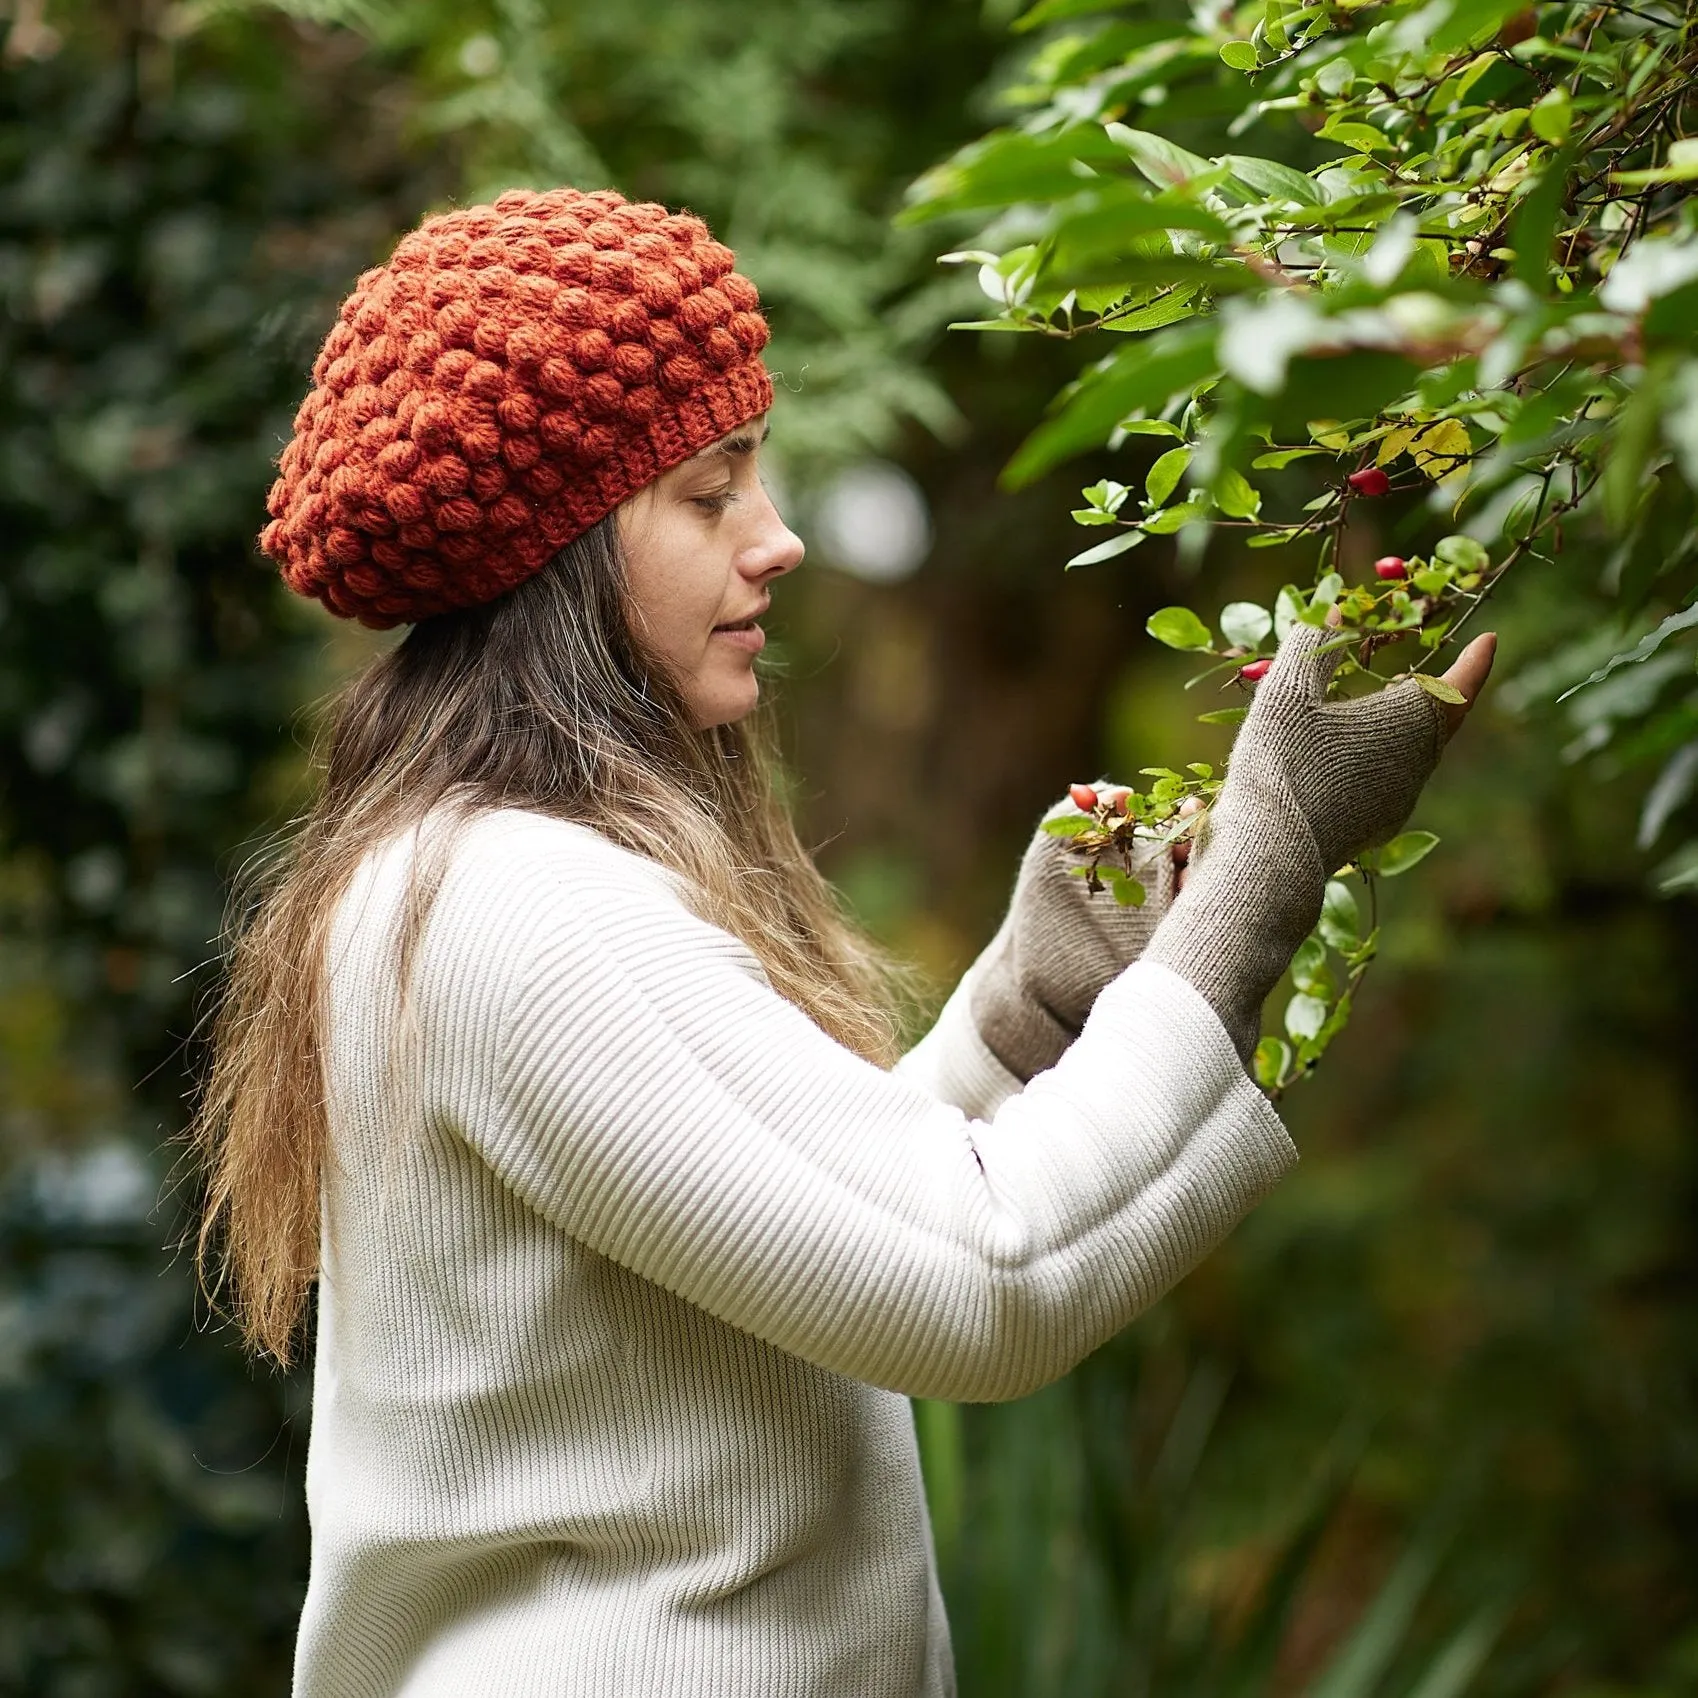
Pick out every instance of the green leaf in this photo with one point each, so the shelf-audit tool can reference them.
(1671, 790)
(1008, 167)
(1179, 628)
(1341, 920)
(1364, 138)
(1336, 77)
(1171, 519)
(1309, 967)
(1171, 305)
(1464, 554)
(1107, 550)
(1272, 1062)
(1165, 474)
(1123, 219)
(1681, 166)
(1273, 181)
(1553, 117)
(1127, 891)
(1163, 162)
(1149, 427)
(1678, 873)
(1235, 495)
(1641, 650)
(1069, 825)
(1282, 457)
(1325, 593)
(1633, 440)
(1404, 852)
(1468, 23)
(1288, 610)
(1305, 1015)
(1534, 229)
(1138, 378)
(1245, 623)
(1358, 385)
(1053, 11)
(1649, 270)
(1223, 716)
(1449, 1674)
(1240, 55)
(1359, 1666)
(1259, 335)
(1439, 690)
(1275, 538)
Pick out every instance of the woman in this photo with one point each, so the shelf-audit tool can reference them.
(550, 1058)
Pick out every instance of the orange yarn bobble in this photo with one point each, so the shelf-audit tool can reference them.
(504, 382)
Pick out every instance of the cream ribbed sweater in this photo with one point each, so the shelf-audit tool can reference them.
(625, 1292)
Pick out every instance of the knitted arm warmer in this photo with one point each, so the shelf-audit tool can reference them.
(1311, 784)
(1055, 950)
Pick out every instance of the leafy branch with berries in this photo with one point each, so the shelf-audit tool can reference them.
(1452, 295)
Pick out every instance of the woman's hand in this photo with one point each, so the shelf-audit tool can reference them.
(1467, 675)
(1057, 948)
(1311, 784)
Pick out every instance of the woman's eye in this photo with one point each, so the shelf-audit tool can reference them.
(716, 503)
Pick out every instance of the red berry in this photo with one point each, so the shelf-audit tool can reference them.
(1084, 797)
(1391, 566)
(1117, 799)
(1369, 481)
(1254, 669)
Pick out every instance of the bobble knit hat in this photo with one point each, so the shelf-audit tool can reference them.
(504, 382)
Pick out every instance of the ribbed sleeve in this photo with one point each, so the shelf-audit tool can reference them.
(610, 1327)
(659, 1103)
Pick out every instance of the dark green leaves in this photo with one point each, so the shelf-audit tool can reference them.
(1136, 379)
(1536, 222)
(1010, 166)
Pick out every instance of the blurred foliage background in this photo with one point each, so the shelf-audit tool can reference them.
(1425, 1425)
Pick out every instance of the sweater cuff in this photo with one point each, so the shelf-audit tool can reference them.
(953, 1064)
(1193, 1026)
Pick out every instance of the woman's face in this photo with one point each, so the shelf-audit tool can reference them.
(702, 546)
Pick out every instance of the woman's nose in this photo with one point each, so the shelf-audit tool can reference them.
(776, 549)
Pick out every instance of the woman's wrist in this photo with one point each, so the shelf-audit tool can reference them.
(1252, 894)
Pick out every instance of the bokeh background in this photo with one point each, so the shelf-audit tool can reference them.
(1425, 1425)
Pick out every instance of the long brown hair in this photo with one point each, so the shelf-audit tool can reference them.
(542, 699)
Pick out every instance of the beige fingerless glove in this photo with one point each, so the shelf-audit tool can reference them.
(1056, 949)
(1311, 784)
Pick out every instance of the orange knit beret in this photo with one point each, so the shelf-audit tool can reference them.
(506, 380)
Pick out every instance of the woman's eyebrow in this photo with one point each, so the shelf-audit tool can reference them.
(740, 443)
(744, 442)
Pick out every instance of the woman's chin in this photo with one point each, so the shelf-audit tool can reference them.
(726, 702)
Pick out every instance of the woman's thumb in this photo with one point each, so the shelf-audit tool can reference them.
(1468, 674)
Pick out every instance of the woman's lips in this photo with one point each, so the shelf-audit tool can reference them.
(751, 638)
